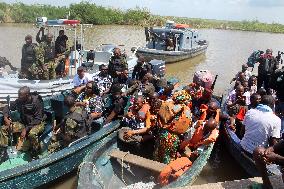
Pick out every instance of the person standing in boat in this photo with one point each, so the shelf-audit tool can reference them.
(31, 123)
(74, 126)
(45, 65)
(266, 69)
(117, 63)
(60, 43)
(141, 69)
(28, 57)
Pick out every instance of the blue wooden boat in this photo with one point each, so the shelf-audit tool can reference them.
(20, 172)
(184, 42)
(99, 170)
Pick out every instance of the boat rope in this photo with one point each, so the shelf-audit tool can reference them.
(95, 172)
(122, 159)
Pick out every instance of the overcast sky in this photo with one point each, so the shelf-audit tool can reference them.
(264, 10)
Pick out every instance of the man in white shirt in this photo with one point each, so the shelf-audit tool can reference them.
(81, 78)
(262, 126)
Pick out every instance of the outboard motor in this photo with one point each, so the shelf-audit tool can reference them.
(158, 67)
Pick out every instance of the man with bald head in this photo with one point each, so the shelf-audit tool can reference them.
(205, 133)
(141, 69)
(212, 110)
(28, 57)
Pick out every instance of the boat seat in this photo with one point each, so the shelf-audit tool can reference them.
(137, 160)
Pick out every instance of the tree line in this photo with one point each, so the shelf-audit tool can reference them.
(90, 13)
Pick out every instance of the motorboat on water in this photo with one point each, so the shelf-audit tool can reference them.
(10, 82)
(172, 43)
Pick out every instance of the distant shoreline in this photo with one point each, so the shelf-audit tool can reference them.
(91, 13)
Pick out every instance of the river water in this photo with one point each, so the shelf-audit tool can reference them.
(227, 51)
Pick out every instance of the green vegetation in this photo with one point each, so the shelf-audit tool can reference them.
(91, 13)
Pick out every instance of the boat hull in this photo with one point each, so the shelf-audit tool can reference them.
(233, 146)
(55, 165)
(98, 171)
(170, 56)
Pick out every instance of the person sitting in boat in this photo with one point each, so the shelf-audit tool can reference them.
(74, 126)
(117, 63)
(103, 80)
(144, 87)
(149, 130)
(45, 65)
(82, 77)
(28, 57)
(166, 92)
(31, 123)
(169, 43)
(211, 110)
(252, 82)
(141, 68)
(205, 133)
(262, 126)
(236, 105)
(122, 79)
(245, 71)
(263, 156)
(118, 103)
(92, 102)
(137, 114)
(255, 100)
(60, 43)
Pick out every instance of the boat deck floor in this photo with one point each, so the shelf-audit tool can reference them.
(239, 184)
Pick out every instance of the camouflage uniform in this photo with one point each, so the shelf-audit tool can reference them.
(45, 65)
(74, 126)
(32, 117)
(28, 59)
(117, 64)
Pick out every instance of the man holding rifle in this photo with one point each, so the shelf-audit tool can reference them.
(31, 123)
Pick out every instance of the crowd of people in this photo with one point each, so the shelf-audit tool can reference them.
(152, 111)
(255, 107)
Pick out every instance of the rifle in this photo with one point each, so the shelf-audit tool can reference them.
(214, 82)
(9, 117)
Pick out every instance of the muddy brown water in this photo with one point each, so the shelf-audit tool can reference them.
(226, 52)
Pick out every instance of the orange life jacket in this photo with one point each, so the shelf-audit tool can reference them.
(174, 170)
(203, 109)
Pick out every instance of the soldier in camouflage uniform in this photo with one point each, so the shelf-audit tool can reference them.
(117, 63)
(45, 65)
(28, 57)
(74, 126)
(31, 123)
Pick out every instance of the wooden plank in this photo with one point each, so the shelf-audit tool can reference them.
(138, 161)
